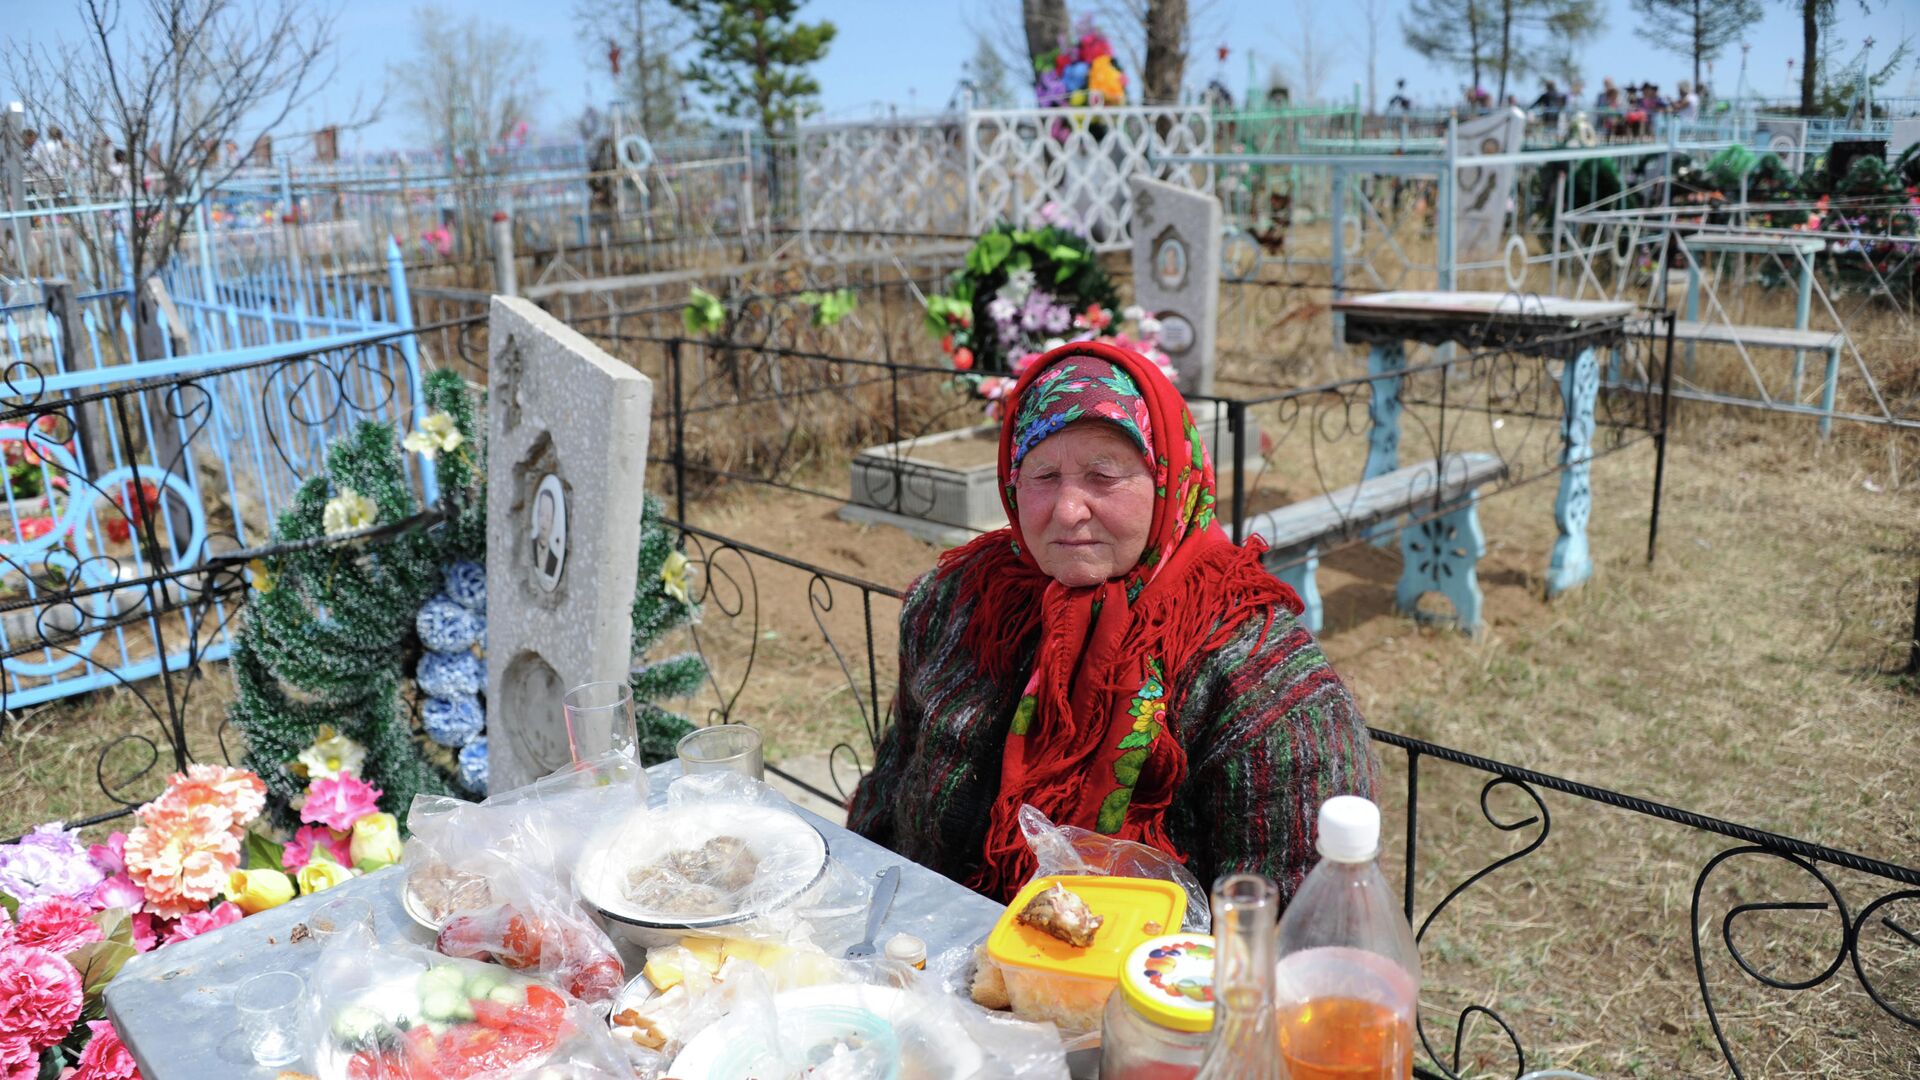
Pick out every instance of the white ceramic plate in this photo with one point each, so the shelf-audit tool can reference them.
(792, 854)
(958, 1055)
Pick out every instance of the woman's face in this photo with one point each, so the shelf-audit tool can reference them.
(1086, 503)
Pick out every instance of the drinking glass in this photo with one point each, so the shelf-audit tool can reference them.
(341, 915)
(731, 748)
(599, 718)
(269, 1005)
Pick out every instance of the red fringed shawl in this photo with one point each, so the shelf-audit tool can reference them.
(1089, 745)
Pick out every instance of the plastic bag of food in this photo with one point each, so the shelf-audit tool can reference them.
(400, 1012)
(536, 928)
(893, 1025)
(653, 1022)
(724, 855)
(458, 847)
(941, 1025)
(1066, 850)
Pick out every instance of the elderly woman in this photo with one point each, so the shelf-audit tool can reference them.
(1110, 658)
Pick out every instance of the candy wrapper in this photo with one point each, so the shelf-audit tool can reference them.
(399, 1012)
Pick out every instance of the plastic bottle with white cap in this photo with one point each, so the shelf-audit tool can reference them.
(1348, 977)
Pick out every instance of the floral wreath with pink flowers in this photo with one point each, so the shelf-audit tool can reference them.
(1024, 292)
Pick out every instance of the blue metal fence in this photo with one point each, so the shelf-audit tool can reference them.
(118, 469)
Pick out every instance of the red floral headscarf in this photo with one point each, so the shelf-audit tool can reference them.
(1090, 744)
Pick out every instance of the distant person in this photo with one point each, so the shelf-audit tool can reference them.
(1608, 99)
(1686, 106)
(1400, 102)
(1550, 103)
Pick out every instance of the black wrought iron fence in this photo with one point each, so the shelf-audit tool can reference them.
(1732, 926)
(130, 565)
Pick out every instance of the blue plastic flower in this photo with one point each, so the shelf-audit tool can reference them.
(473, 766)
(1076, 75)
(467, 585)
(453, 721)
(445, 626)
(445, 675)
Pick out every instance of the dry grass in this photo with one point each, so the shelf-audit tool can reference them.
(78, 757)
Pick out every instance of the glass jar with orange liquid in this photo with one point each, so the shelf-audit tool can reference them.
(1348, 977)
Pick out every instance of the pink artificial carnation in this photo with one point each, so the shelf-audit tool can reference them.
(110, 857)
(18, 1061)
(146, 931)
(181, 858)
(199, 922)
(238, 795)
(105, 1058)
(118, 891)
(39, 996)
(299, 850)
(58, 924)
(339, 801)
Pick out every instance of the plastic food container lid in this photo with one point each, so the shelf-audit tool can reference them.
(1169, 980)
(1134, 909)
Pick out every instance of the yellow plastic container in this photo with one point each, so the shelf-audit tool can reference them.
(1048, 979)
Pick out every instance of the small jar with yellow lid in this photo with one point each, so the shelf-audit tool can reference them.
(1157, 1020)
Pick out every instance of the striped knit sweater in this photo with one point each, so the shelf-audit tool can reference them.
(1269, 730)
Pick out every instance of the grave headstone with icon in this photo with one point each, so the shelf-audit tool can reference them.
(566, 459)
(1176, 274)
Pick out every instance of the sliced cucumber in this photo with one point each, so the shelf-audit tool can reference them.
(444, 1005)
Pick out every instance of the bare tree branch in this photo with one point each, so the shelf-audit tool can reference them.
(177, 90)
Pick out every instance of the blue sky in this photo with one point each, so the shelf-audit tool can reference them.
(910, 54)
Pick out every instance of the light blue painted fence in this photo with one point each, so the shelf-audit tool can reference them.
(205, 447)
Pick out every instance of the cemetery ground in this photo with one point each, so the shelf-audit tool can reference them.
(1750, 673)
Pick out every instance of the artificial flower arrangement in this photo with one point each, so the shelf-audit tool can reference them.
(1025, 292)
(1134, 330)
(1019, 288)
(200, 857)
(1081, 72)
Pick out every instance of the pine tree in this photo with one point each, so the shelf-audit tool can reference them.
(1505, 38)
(990, 77)
(661, 604)
(753, 58)
(329, 627)
(1699, 29)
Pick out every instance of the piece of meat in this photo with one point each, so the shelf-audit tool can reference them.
(1063, 915)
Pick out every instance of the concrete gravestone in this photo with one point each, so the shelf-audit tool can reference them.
(566, 458)
(1176, 274)
(1481, 191)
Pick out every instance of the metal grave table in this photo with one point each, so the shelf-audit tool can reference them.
(1568, 332)
(173, 1007)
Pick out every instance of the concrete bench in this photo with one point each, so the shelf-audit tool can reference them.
(1438, 555)
(1799, 342)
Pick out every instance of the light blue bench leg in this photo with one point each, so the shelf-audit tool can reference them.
(1301, 578)
(1439, 555)
(1613, 366)
(1572, 561)
(1384, 361)
(1827, 392)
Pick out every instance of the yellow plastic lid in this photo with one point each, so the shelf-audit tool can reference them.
(1134, 909)
(1169, 980)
